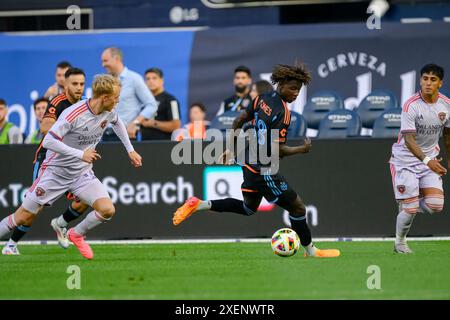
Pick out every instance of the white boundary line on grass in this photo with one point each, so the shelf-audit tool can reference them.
(245, 240)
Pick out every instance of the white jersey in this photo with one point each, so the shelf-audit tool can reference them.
(427, 121)
(79, 128)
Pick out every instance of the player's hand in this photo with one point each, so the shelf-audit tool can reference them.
(307, 145)
(437, 167)
(90, 155)
(136, 159)
(131, 129)
(226, 158)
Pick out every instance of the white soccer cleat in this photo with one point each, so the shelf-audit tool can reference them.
(10, 250)
(402, 248)
(61, 234)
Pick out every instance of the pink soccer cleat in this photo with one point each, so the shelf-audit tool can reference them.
(78, 241)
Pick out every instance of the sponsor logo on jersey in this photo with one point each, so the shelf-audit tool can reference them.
(86, 129)
(40, 192)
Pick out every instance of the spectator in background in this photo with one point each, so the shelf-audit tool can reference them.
(40, 105)
(196, 128)
(58, 86)
(260, 87)
(9, 133)
(241, 98)
(167, 117)
(136, 103)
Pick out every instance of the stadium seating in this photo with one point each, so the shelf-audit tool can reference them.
(223, 122)
(298, 126)
(341, 123)
(374, 104)
(319, 104)
(387, 125)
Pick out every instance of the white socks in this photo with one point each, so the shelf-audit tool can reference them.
(404, 222)
(310, 250)
(204, 205)
(92, 220)
(7, 225)
(61, 222)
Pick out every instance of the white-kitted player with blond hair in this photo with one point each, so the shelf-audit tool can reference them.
(71, 143)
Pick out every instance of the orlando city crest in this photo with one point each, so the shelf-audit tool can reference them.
(40, 192)
(442, 116)
(103, 124)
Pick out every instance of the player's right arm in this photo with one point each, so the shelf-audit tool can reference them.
(408, 131)
(246, 115)
(53, 142)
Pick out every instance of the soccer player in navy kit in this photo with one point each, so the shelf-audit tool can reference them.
(268, 111)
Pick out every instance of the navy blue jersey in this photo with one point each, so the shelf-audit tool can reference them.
(267, 111)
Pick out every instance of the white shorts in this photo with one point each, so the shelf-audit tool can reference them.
(50, 186)
(408, 180)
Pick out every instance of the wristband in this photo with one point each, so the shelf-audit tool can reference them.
(426, 160)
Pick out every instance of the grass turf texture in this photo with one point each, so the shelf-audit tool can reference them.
(227, 271)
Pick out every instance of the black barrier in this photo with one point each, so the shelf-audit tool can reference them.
(346, 185)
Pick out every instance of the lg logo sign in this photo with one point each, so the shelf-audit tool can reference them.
(178, 15)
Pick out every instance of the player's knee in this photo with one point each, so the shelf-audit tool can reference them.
(411, 205)
(24, 218)
(434, 202)
(298, 209)
(106, 210)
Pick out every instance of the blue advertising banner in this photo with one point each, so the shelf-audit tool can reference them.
(28, 63)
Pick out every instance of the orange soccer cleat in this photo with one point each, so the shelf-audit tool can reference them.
(325, 253)
(186, 210)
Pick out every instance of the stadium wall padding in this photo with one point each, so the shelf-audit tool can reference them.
(346, 185)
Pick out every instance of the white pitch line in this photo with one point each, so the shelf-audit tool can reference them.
(245, 240)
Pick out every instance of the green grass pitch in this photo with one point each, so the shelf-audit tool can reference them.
(227, 271)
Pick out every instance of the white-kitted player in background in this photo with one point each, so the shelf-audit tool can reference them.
(71, 143)
(415, 166)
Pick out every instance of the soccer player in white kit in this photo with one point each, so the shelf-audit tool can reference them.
(416, 171)
(71, 143)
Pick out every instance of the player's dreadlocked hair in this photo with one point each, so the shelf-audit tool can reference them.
(284, 73)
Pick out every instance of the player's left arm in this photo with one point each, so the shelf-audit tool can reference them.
(121, 131)
(286, 150)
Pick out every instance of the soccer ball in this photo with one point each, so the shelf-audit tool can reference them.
(285, 242)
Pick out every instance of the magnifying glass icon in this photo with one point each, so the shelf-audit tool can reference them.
(222, 188)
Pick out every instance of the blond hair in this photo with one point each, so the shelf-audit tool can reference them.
(104, 84)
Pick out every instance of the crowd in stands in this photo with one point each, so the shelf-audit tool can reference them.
(151, 113)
